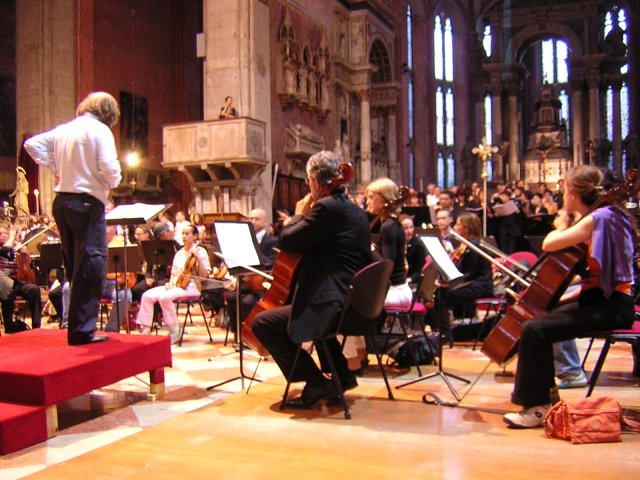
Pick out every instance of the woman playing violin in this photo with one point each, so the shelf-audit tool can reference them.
(477, 281)
(190, 261)
(604, 301)
(382, 195)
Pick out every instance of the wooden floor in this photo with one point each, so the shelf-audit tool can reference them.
(245, 436)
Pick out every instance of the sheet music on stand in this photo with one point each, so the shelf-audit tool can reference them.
(440, 257)
(238, 244)
(135, 213)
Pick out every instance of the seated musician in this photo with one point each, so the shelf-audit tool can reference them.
(477, 281)
(120, 308)
(332, 234)
(391, 245)
(251, 288)
(12, 286)
(154, 275)
(604, 300)
(416, 251)
(181, 284)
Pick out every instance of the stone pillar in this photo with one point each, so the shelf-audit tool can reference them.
(514, 144)
(237, 63)
(496, 123)
(365, 138)
(394, 171)
(45, 73)
(576, 126)
(617, 128)
(594, 105)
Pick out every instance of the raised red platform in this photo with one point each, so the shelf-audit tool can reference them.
(39, 369)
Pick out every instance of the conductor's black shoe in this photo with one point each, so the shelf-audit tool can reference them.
(94, 339)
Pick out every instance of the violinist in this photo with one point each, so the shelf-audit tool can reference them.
(477, 280)
(416, 251)
(12, 286)
(391, 244)
(604, 301)
(190, 261)
(333, 236)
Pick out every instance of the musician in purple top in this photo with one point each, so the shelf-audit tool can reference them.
(604, 301)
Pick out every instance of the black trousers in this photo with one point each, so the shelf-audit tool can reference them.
(80, 220)
(31, 294)
(270, 327)
(535, 372)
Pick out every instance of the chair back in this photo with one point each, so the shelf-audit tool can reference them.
(365, 298)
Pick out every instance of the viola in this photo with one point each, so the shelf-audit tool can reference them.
(283, 272)
(130, 279)
(555, 270)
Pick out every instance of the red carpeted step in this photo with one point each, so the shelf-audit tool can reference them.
(37, 367)
(21, 426)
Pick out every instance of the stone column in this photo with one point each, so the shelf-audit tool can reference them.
(46, 72)
(617, 128)
(394, 171)
(594, 105)
(514, 144)
(496, 123)
(576, 126)
(365, 138)
(237, 63)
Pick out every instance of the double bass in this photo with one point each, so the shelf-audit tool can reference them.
(555, 270)
(283, 272)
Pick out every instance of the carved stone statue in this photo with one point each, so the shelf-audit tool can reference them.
(21, 194)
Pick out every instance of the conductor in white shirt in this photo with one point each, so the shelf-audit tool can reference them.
(82, 154)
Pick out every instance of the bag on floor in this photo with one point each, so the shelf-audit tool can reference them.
(425, 352)
(589, 420)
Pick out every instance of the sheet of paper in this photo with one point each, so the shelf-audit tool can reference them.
(441, 258)
(236, 244)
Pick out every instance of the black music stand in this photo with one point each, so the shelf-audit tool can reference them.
(239, 250)
(50, 257)
(158, 252)
(130, 258)
(449, 271)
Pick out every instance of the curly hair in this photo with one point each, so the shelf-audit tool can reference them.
(102, 106)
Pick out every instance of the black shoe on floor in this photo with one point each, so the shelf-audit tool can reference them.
(312, 394)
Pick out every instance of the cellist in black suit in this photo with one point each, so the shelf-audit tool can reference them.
(332, 234)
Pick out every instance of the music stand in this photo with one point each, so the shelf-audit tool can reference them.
(239, 250)
(450, 273)
(50, 257)
(130, 256)
(158, 252)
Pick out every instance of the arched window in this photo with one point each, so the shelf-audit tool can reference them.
(380, 59)
(445, 121)
(555, 71)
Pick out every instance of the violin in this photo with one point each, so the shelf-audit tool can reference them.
(130, 280)
(185, 277)
(456, 255)
(25, 273)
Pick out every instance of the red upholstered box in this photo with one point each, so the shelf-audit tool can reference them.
(21, 426)
(37, 367)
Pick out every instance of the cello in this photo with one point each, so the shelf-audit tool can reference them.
(555, 272)
(283, 272)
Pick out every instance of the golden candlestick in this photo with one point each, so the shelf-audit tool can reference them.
(484, 151)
